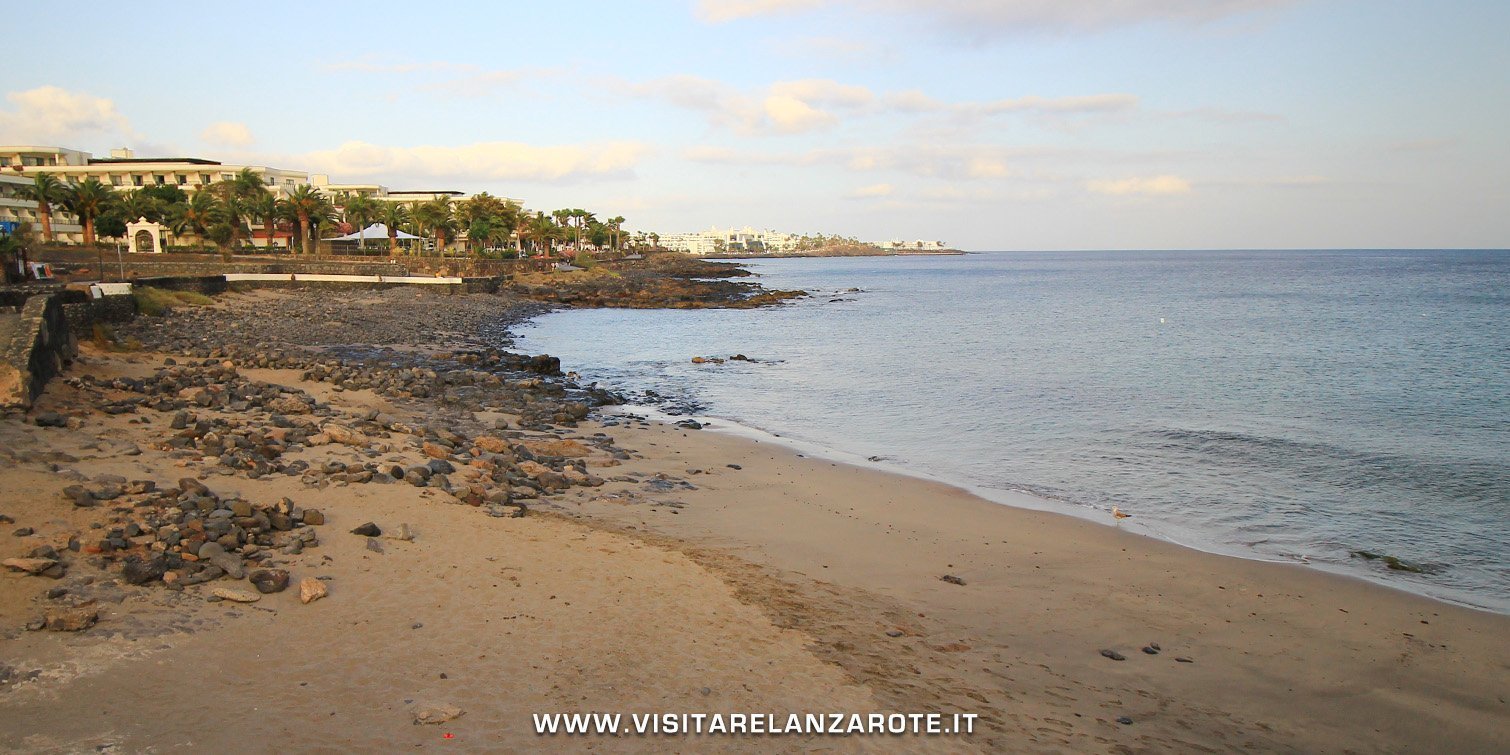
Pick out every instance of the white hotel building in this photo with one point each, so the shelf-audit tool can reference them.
(729, 241)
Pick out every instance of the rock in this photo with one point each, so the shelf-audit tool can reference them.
(435, 451)
(894, 633)
(367, 530)
(268, 581)
(1152, 648)
(71, 619)
(216, 554)
(491, 444)
(435, 714)
(50, 419)
(1114, 655)
(343, 435)
(191, 485)
(79, 495)
(24, 532)
(953, 580)
(241, 507)
(313, 516)
(311, 590)
(288, 405)
(235, 596)
(403, 533)
(29, 565)
(374, 545)
(1183, 659)
(690, 424)
(139, 571)
(1124, 720)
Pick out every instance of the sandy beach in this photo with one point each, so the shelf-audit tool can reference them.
(670, 571)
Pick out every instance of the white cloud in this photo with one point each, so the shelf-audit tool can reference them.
(227, 134)
(823, 92)
(787, 107)
(982, 18)
(873, 191)
(790, 115)
(477, 162)
(1152, 185)
(723, 11)
(1095, 103)
(52, 116)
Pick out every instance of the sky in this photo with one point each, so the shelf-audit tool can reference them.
(990, 125)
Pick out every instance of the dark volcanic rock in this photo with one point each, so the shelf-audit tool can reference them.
(269, 581)
(367, 530)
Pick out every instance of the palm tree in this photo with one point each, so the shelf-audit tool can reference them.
(393, 215)
(437, 216)
(265, 208)
(615, 222)
(197, 215)
(360, 210)
(306, 202)
(89, 200)
(46, 191)
(137, 205)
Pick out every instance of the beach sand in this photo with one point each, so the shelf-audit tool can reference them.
(790, 584)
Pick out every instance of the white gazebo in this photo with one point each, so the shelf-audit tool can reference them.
(146, 236)
(376, 231)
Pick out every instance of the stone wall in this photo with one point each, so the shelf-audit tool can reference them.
(34, 347)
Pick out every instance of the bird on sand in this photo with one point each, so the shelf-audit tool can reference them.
(1119, 513)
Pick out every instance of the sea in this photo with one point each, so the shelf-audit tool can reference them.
(1346, 409)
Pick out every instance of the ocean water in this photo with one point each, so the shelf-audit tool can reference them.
(1282, 405)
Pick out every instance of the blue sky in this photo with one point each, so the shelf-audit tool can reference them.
(1013, 124)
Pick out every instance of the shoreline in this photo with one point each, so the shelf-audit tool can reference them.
(1028, 500)
(655, 568)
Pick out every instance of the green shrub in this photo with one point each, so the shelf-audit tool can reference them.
(155, 302)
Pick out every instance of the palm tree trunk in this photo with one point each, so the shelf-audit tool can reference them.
(304, 232)
(44, 213)
(392, 242)
(88, 230)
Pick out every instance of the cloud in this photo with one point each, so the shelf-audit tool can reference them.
(227, 134)
(723, 11)
(1095, 103)
(805, 105)
(834, 48)
(478, 162)
(785, 107)
(52, 116)
(984, 18)
(873, 191)
(1152, 185)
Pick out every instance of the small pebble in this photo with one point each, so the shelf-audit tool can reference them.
(1124, 720)
(1114, 655)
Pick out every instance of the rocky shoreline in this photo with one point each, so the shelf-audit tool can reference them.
(475, 425)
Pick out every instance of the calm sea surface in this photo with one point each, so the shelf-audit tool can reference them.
(1280, 405)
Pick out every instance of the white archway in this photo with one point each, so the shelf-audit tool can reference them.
(146, 236)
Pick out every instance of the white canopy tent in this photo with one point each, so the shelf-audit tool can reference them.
(375, 231)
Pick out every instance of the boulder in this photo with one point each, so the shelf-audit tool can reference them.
(311, 590)
(268, 581)
(71, 619)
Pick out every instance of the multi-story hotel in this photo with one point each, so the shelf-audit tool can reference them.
(124, 171)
